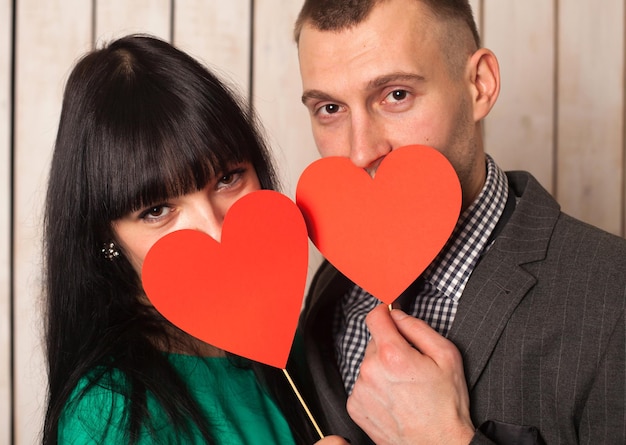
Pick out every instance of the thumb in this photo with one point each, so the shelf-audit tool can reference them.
(423, 337)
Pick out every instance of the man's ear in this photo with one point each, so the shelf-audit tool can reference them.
(484, 78)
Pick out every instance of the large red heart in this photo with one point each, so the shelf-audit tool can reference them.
(244, 294)
(381, 233)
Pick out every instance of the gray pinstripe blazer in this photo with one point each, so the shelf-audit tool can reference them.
(540, 326)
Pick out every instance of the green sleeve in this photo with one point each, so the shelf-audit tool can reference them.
(93, 415)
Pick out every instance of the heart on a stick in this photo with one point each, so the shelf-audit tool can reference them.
(243, 294)
(381, 232)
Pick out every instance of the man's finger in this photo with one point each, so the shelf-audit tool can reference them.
(424, 338)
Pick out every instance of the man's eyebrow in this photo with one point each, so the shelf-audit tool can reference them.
(393, 77)
(372, 85)
(315, 94)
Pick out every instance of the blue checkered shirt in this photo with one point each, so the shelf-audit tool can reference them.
(435, 295)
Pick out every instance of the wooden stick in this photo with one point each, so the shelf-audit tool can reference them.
(303, 403)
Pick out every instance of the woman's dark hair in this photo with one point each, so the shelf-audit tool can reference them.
(141, 122)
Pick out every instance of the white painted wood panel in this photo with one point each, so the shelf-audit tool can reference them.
(6, 28)
(115, 18)
(519, 131)
(218, 36)
(277, 92)
(277, 88)
(49, 37)
(588, 168)
(590, 180)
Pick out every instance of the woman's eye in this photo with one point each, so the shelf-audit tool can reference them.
(155, 212)
(231, 178)
(227, 179)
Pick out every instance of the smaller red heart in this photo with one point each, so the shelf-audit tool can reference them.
(381, 233)
(244, 294)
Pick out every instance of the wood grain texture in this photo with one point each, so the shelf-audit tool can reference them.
(218, 36)
(560, 116)
(115, 18)
(51, 34)
(277, 92)
(590, 175)
(6, 29)
(519, 131)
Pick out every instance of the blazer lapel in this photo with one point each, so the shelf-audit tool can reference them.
(499, 282)
(491, 296)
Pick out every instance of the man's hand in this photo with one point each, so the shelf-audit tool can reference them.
(411, 388)
(332, 440)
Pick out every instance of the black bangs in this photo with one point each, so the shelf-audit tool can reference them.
(138, 168)
(159, 132)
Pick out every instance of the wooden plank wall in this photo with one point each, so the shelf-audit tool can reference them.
(560, 115)
(6, 30)
(561, 111)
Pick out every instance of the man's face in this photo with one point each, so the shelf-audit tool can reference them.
(386, 83)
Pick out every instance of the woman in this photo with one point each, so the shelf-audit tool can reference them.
(149, 142)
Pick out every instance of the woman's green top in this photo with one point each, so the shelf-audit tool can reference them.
(237, 408)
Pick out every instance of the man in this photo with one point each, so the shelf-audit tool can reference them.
(517, 328)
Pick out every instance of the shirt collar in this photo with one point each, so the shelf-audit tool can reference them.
(453, 266)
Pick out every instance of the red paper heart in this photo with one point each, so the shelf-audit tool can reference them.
(381, 233)
(244, 294)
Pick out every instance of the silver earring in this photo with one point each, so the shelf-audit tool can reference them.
(109, 251)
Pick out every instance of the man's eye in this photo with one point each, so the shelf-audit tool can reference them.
(329, 109)
(398, 95)
(332, 108)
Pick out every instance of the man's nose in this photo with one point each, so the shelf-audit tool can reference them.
(368, 144)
